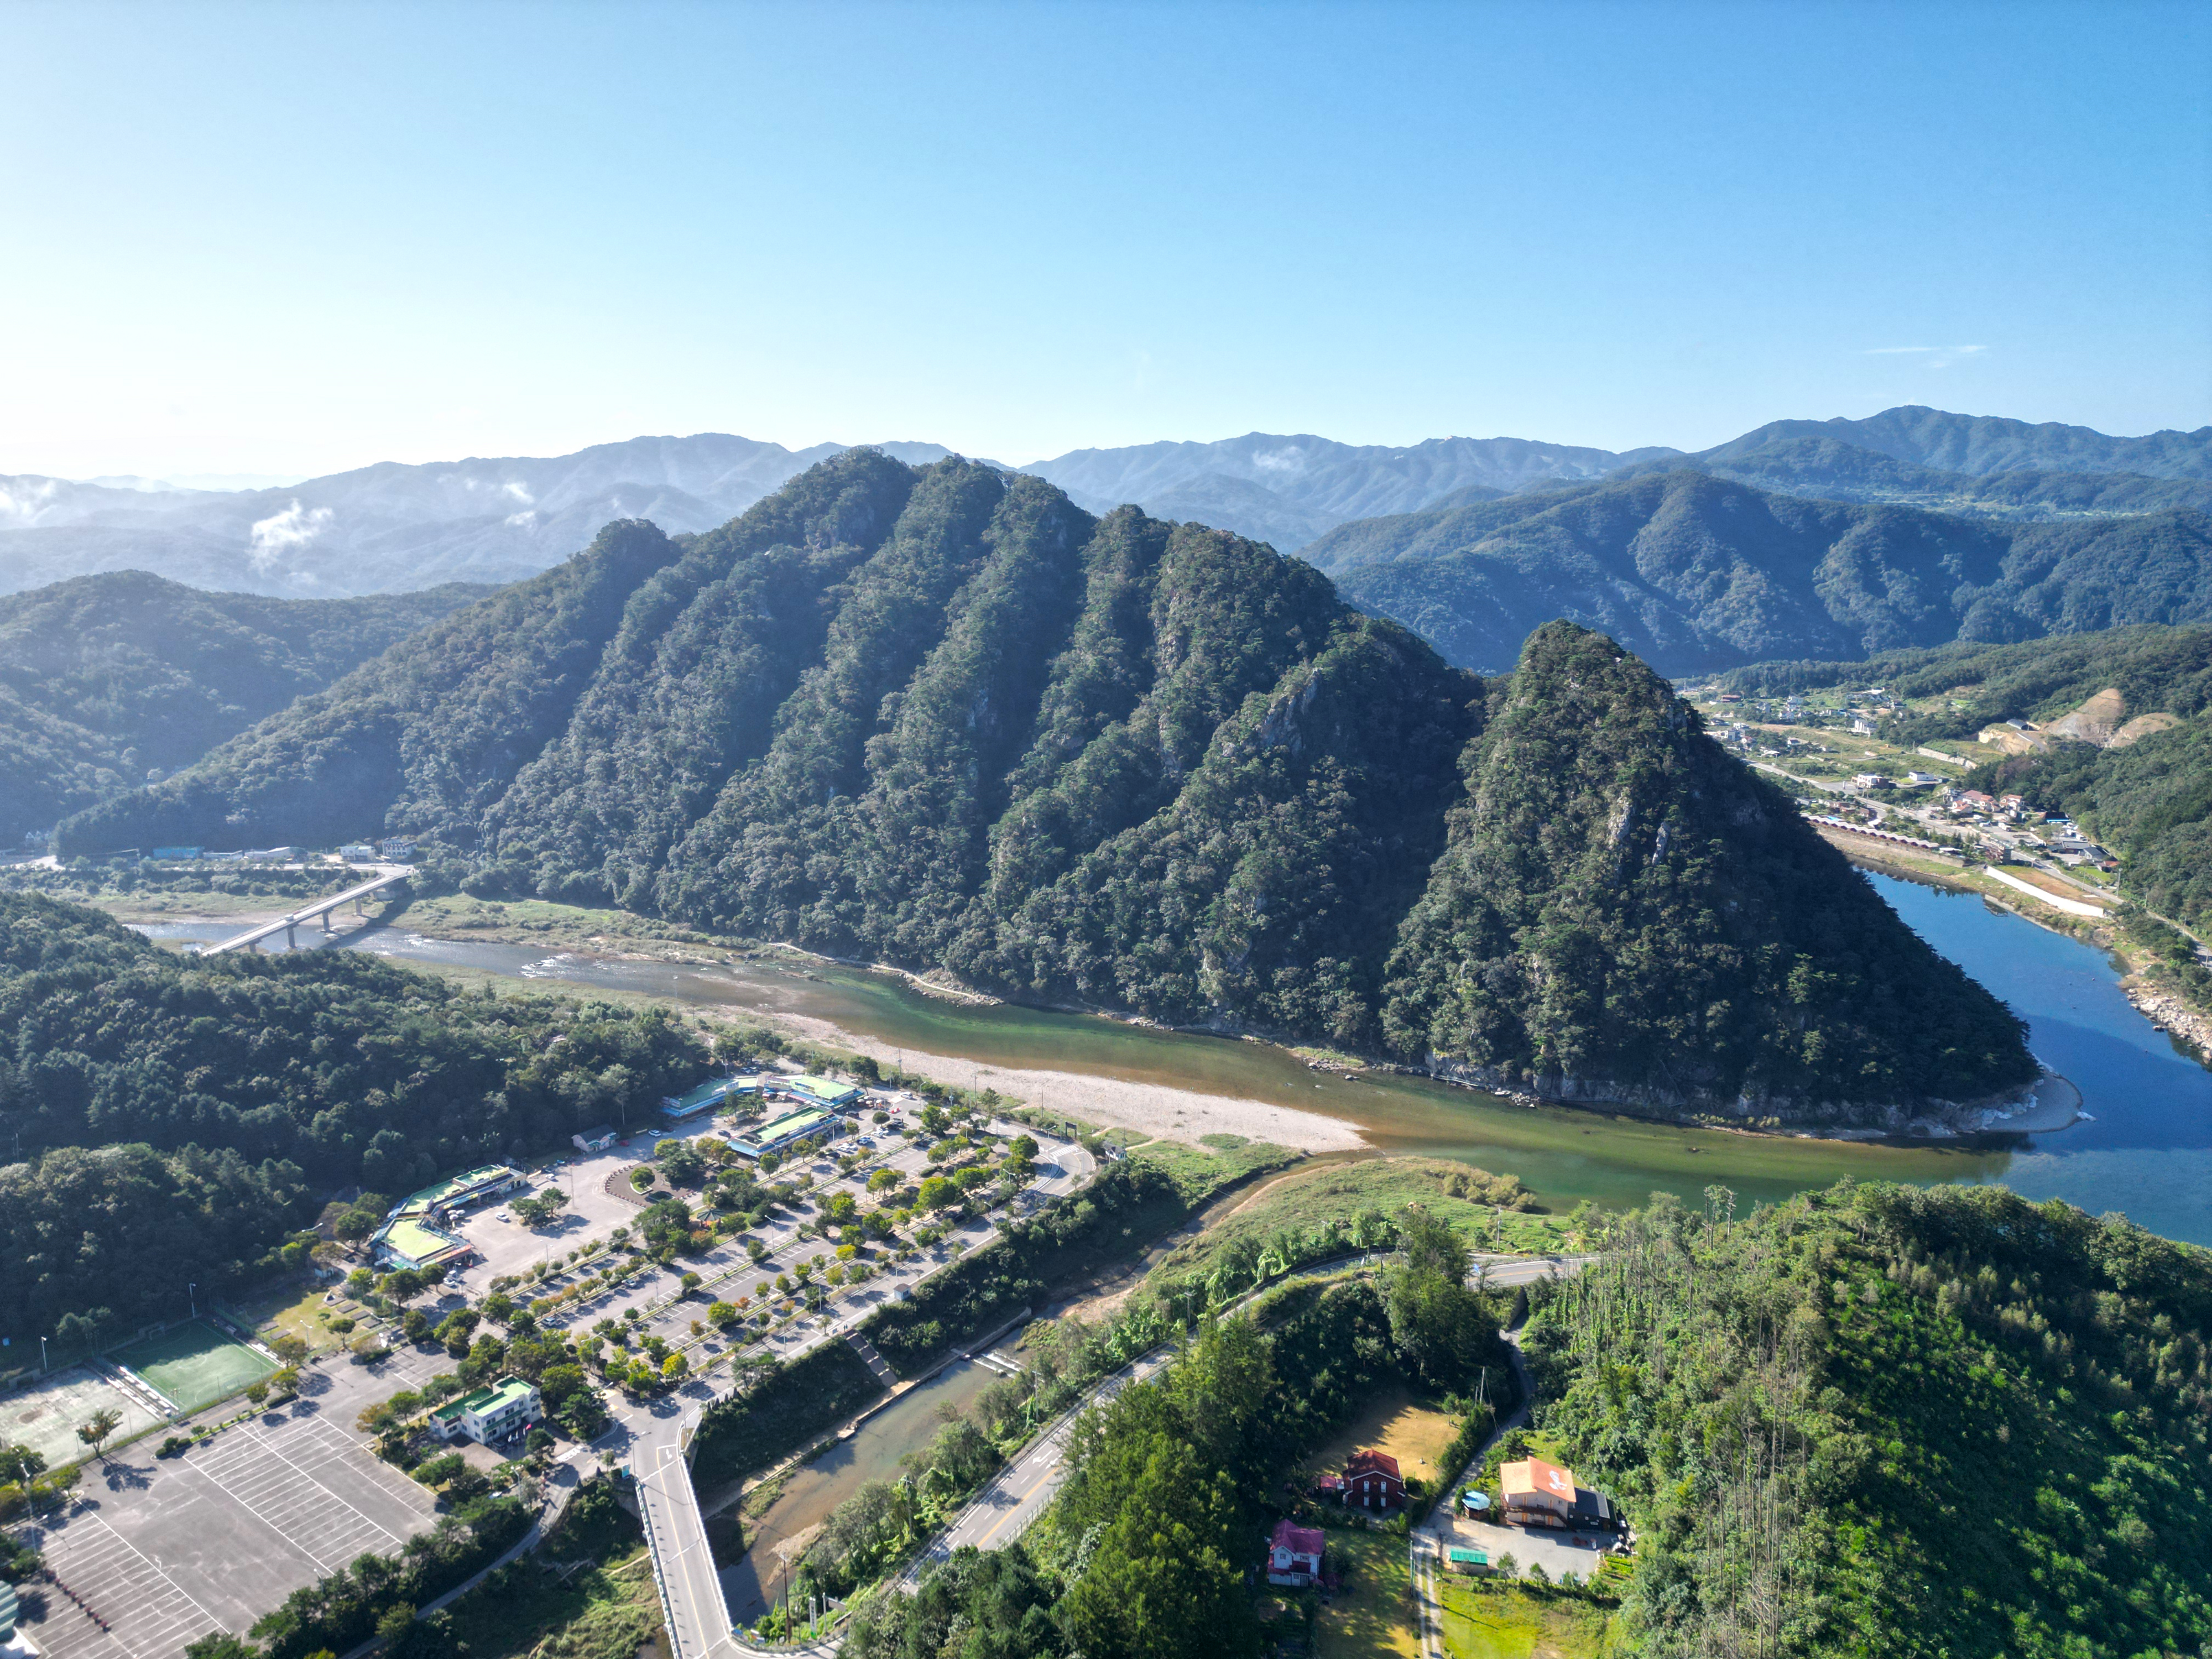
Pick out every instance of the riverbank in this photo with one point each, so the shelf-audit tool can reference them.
(2159, 1003)
(1158, 1111)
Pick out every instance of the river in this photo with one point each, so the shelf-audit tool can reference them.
(2145, 1150)
(779, 1537)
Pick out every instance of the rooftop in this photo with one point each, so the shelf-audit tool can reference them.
(1306, 1540)
(822, 1088)
(446, 1191)
(1368, 1462)
(802, 1122)
(416, 1241)
(1534, 1474)
(507, 1391)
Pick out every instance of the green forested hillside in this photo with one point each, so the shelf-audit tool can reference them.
(944, 718)
(1620, 899)
(428, 738)
(2150, 803)
(1895, 1421)
(173, 1117)
(105, 678)
(1695, 572)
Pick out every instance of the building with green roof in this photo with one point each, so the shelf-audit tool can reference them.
(822, 1091)
(758, 1140)
(490, 1415)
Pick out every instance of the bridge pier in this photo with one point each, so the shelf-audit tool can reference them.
(361, 909)
(327, 928)
(291, 937)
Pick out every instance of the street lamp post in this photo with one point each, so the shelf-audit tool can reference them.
(193, 1296)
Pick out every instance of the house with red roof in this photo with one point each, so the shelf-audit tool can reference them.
(1294, 1554)
(1371, 1481)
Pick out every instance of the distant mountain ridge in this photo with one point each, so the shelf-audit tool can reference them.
(1982, 444)
(945, 718)
(1826, 468)
(1303, 481)
(1696, 572)
(391, 527)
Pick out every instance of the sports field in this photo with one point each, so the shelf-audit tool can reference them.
(194, 1365)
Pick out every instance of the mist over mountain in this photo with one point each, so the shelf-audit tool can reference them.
(945, 717)
(391, 527)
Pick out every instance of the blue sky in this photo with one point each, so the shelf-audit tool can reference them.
(297, 238)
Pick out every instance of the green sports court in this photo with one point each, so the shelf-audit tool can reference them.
(194, 1365)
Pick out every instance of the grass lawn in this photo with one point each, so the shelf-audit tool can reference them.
(1199, 1175)
(1310, 1198)
(1392, 1421)
(295, 1311)
(1488, 1619)
(1373, 1611)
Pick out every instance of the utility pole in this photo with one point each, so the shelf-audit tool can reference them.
(191, 1295)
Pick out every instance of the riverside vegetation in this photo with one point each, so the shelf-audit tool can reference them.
(1216, 796)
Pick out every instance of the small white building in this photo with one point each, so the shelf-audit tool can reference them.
(397, 846)
(490, 1415)
(357, 852)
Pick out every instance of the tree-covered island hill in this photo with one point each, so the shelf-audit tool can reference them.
(942, 718)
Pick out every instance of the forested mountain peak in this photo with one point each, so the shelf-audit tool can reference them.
(944, 717)
(1623, 906)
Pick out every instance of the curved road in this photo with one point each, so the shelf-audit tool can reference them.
(1003, 1510)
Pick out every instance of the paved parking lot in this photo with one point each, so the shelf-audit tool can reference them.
(508, 1247)
(167, 1550)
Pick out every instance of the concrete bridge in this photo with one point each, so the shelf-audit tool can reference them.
(288, 926)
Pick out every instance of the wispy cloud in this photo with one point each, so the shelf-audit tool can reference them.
(275, 536)
(1937, 357)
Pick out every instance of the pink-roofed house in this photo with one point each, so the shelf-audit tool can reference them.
(1294, 1554)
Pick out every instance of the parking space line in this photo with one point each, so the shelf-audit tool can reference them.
(245, 1503)
(172, 1584)
(304, 1476)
